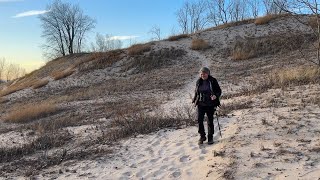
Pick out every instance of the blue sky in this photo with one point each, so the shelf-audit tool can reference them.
(20, 33)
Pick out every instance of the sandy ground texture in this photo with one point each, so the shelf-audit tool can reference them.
(166, 154)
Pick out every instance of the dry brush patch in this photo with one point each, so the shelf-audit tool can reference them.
(139, 49)
(178, 37)
(56, 75)
(30, 112)
(232, 24)
(268, 18)
(40, 83)
(295, 76)
(199, 44)
(17, 86)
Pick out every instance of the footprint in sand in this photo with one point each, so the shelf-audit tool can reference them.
(143, 162)
(176, 174)
(140, 173)
(204, 151)
(184, 159)
(154, 160)
(127, 173)
(201, 158)
(195, 148)
(179, 144)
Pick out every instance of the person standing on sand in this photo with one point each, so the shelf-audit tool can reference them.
(206, 98)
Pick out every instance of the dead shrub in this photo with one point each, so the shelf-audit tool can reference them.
(177, 37)
(268, 18)
(30, 112)
(199, 44)
(56, 75)
(294, 76)
(40, 83)
(139, 49)
(43, 142)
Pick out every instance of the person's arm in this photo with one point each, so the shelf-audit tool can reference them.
(195, 93)
(216, 88)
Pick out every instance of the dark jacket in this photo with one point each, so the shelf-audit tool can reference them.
(214, 88)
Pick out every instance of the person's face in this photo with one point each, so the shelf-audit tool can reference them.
(204, 75)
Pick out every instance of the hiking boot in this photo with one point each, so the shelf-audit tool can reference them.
(202, 138)
(210, 139)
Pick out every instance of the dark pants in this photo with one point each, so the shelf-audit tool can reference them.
(209, 110)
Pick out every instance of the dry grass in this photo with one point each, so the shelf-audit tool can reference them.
(17, 86)
(295, 76)
(238, 54)
(62, 74)
(30, 112)
(232, 24)
(139, 49)
(40, 83)
(268, 18)
(199, 44)
(177, 37)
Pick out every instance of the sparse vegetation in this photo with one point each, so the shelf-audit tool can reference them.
(226, 109)
(140, 123)
(101, 60)
(268, 18)
(139, 49)
(62, 74)
(30, 112)
(295, 76)
(17, 86)
(257, 47)
(199, 44)
(40, 83)
(232, 24)
(178, 37)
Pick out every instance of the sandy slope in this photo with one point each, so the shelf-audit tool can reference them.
(167, 154)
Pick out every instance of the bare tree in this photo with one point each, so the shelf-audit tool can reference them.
(254, 7)
(193, 16)
(64, 28)
(219, 11)
(272, 8)
(105, 43)
(155, 32)
(238, 10)
(311, 7)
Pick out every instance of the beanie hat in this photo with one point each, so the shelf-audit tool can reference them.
(205, 69)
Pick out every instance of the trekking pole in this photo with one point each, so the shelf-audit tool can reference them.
(218, 124)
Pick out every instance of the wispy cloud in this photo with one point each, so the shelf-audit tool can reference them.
(29, 13)
(10, 1)
(123, 37)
